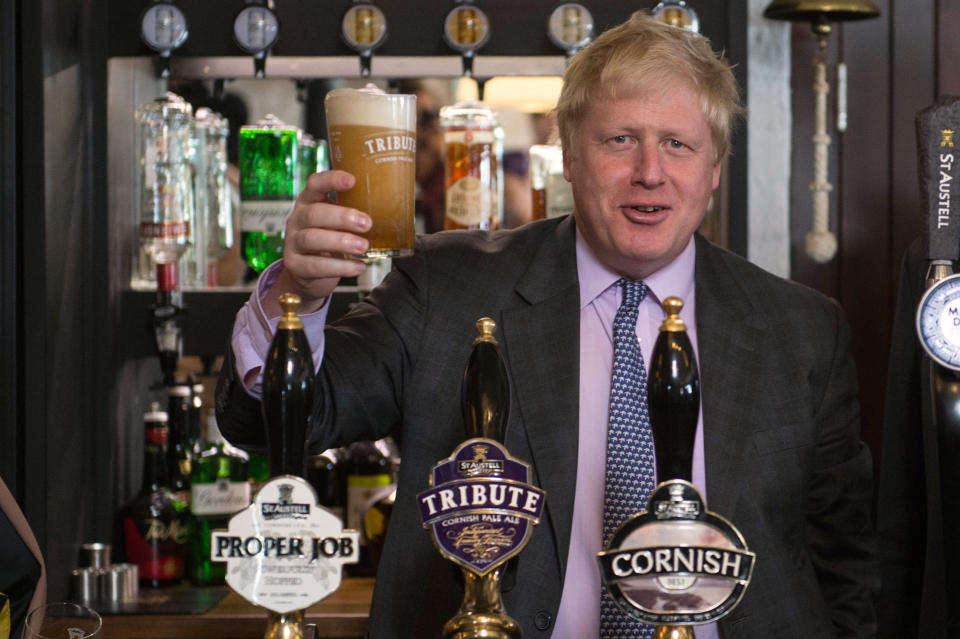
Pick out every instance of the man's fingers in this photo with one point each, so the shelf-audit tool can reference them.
(306, 268)
(320, 185)
(321, 241)
(328, 217)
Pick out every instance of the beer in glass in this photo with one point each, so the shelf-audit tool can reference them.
(372, 135)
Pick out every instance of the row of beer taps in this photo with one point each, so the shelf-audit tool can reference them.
(364, 28)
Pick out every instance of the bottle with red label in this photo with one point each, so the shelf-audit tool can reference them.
(155, 524)
(167, 211)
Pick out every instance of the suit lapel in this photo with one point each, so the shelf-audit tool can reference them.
(542, 347)
(542, 341)
(730, 335)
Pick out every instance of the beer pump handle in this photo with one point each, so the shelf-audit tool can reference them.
(673, 396)
(937, 170)
(288, 392)
(937, 329)
(485, 391)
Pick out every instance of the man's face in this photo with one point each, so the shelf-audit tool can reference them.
(642, 170)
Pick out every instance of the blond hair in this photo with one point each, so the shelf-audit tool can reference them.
(643, 55)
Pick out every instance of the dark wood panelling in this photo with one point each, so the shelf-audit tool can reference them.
(31, 283)
(101, 325)
(11, 384)
(913, 87)
(948, 47)
(863, 208)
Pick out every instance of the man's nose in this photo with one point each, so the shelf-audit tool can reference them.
(648, 165)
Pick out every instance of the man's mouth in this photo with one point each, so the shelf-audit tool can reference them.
(647, 209)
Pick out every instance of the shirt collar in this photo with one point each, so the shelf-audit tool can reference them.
(676, 278)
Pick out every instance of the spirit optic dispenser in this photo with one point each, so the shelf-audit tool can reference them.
(364, 29)
(255, 30)
(163, 28)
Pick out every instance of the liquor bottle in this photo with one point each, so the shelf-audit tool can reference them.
(196, 437)
(269, 184)
(165, 127)
(259, 471)
(369, 478)
(326, 473)
(499, 137)
(308, 158)
(470, 166)
(323, 156)
(552, 195)
(156, 529)
(179, 456)
(213, 199)
(376, 521)
(219, 488)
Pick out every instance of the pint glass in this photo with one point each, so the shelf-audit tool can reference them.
(373, 136)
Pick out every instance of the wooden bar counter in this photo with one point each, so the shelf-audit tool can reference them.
(342, 615)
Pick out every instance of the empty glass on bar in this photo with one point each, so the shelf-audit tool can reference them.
(372, 135)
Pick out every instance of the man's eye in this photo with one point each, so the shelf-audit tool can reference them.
(619, 139)
(675, 144)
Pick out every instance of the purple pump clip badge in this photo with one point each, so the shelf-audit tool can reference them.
(481, 507)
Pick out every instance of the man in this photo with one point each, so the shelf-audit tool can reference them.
(644, 117)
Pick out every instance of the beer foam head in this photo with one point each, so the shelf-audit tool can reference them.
(370, 106)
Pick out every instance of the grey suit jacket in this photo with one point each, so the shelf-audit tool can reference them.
(783, 456)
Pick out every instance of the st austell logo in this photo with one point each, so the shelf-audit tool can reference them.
(479, 464)
(946, 138)
(481, 507)
(284, 506)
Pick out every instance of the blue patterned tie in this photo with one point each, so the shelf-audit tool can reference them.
(630, 461)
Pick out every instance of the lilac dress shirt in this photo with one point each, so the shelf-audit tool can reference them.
(579, 613)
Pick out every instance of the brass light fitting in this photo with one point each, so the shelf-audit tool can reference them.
(821, 13)
(821, 242)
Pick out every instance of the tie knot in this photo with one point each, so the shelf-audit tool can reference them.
(633, 292)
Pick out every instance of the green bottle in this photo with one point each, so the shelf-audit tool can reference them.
(308, 158)
(259, 471)
(270, 180)
(179, 454)
(219, 488)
